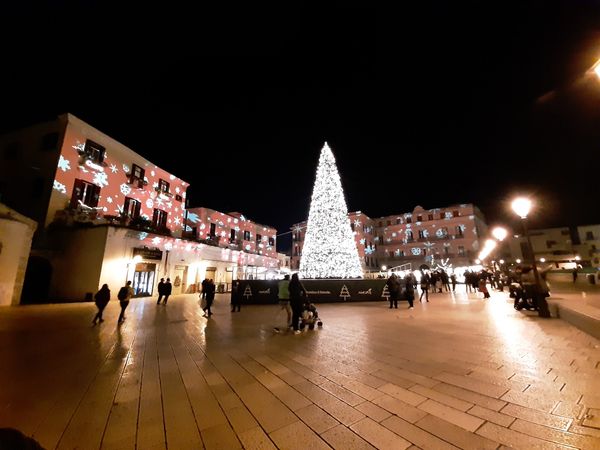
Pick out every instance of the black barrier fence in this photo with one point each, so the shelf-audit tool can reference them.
(319, 291)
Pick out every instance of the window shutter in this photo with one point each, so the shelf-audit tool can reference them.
(136, 212)
(77, 193)
(95, 195)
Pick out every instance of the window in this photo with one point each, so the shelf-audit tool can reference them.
(272, 242)
(380, 224)
(49, 142)
(213, 230)
(137, 173)
(461, 250)
(389, 222)
(459, 230)
(409, 220)
(421, 234)
(85, 193)
(409, 235)
(589, 235)
(352, 225)
(11, 151)
(401, 253)
(430, 216)
(442, 232)
(398, 221)
(94, 152)
(446, 251)
(549, 244)
(258, 238)
(232, 236)
(419, 218)
(131, 208)
(159, 219)
(246, 235)
(455, 213)
(163, 186)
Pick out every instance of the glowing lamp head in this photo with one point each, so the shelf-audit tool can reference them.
(499, 233)
(490, 244)
(501, 261)
(477, 261)
(543, 260)
(384, 268)
(578, 258)
(521, 206)
(596, 69)
(518, 261)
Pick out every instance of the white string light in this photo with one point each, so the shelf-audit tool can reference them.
(329, 249)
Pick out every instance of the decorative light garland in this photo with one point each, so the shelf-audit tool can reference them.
(329, 249)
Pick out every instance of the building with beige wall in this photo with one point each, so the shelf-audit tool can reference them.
(107, 214)
(16, 232)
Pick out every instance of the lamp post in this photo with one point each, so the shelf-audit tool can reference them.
(521, 206)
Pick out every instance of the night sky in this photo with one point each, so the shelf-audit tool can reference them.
(429, 105)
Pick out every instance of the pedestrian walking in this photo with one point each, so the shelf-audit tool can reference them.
(393, 285)
(410, 289)
(236, 299)
(124, 295)
(298, 295)
(283, 295)
(424, 287)
(483, 287)
(453, 280)
(168, 290)
(574, 273)
(210, 296)
(161, 290)
(101, 298)
(203, 289)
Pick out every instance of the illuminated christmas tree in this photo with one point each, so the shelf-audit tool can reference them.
(329, 249)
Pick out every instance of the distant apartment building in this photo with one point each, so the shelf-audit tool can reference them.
(450, 235)
(562, 247)
(106, 214)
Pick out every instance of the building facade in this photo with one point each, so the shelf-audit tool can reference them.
(449, 235)
(561, 247)
(107, 214)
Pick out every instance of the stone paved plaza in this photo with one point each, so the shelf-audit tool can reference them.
(458, 372)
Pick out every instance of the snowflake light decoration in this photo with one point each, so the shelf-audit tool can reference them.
(100, 179)
(125, 189)
(60, 187)
(64, 164)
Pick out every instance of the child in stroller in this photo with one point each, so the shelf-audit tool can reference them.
(310, 316)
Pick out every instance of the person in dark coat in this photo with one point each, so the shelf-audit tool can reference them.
(298, 295)
(102, 298)
(161, 290)
(236, 300)
(168, 290)
(203, 289)
(393, 285)
(425, 279)
(410, 281)
(210, 296)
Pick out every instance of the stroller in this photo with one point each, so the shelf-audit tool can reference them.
(310, 317)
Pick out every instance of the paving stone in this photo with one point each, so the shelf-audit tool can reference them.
(454, 434)
(169, 378)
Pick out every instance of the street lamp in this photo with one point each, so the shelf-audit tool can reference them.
(521, 206)
(499, 233)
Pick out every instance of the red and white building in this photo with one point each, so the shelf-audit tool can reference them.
(107, 215)
(449, 235)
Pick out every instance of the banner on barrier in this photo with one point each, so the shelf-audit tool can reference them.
(266, 291)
